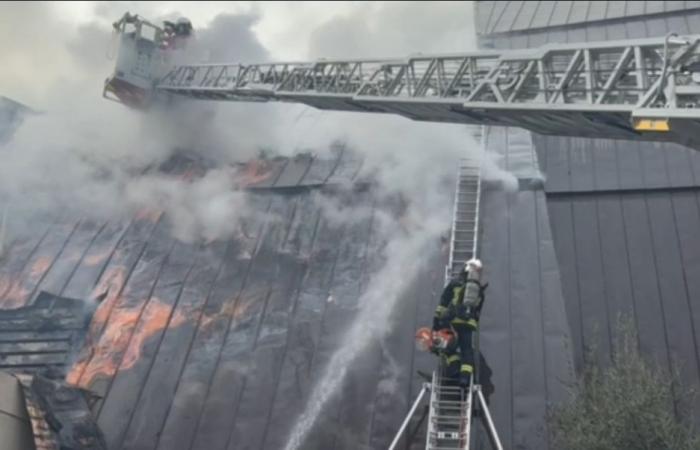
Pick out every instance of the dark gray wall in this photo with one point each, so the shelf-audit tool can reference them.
(518, 24)
(525, 334)
(624, 216)
(504, 17)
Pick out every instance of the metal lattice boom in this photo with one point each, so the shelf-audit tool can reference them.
(644, 88)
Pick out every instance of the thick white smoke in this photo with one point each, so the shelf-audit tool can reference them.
(85, 157)
(88, 157)
(207, 208)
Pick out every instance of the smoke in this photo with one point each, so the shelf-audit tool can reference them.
(88, 157)
(492, 171)
(382, 29)
(408, 238)
(85, 157)
(207, 208)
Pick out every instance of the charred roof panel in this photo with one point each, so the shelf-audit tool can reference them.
(82, 281)
(294, 171)
(43, 335)
(348, 168)
(268, 172)
(320, 171)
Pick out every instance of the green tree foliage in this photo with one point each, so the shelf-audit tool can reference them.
(628, 405)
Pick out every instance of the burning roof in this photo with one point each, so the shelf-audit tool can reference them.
(212, 344)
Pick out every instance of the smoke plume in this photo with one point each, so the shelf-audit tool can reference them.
(86, 157)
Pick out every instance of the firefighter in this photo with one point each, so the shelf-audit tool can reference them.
(459, 309)
(175, 34)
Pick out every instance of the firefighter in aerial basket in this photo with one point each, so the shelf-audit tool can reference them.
(176, 34)
(459, 311)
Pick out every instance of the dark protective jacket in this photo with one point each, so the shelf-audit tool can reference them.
(453, 311)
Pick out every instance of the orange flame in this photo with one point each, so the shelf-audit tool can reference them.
(15, 293)
(16, 297)
(155, 319)
(254, 172)
(105, 354)
(122, 341)
(113, 280)
(231, 310)
(40, 266)
(93, 260)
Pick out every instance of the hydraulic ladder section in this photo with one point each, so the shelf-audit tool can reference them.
(449, 417)
(450, 407)
(465, 213)
(634, 89)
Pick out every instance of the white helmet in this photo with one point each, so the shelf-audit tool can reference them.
(473, 264)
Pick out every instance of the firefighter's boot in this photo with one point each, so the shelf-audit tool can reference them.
(465, 375)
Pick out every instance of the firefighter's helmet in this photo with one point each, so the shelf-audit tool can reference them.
(473, 264)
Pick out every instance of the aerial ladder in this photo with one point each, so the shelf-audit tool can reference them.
(645, 89)
(631, 89)
(451, 407)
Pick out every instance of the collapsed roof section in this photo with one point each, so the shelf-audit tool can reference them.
(38, 343)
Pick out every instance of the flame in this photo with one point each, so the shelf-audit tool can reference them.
(105, 354)
(112, 280)
(98, 258)
(231, 310)
(122, 341)
(15, 294)
(40, 266)
(127, 329)
(155, 319)
(16, 297)
(14, 291)
(254, 172)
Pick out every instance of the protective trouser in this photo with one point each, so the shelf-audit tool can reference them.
(466, 352)
(451, 362)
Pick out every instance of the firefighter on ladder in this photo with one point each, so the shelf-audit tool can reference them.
(459, 310)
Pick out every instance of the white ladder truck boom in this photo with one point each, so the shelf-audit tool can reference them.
(633, 89)
(645, 89)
